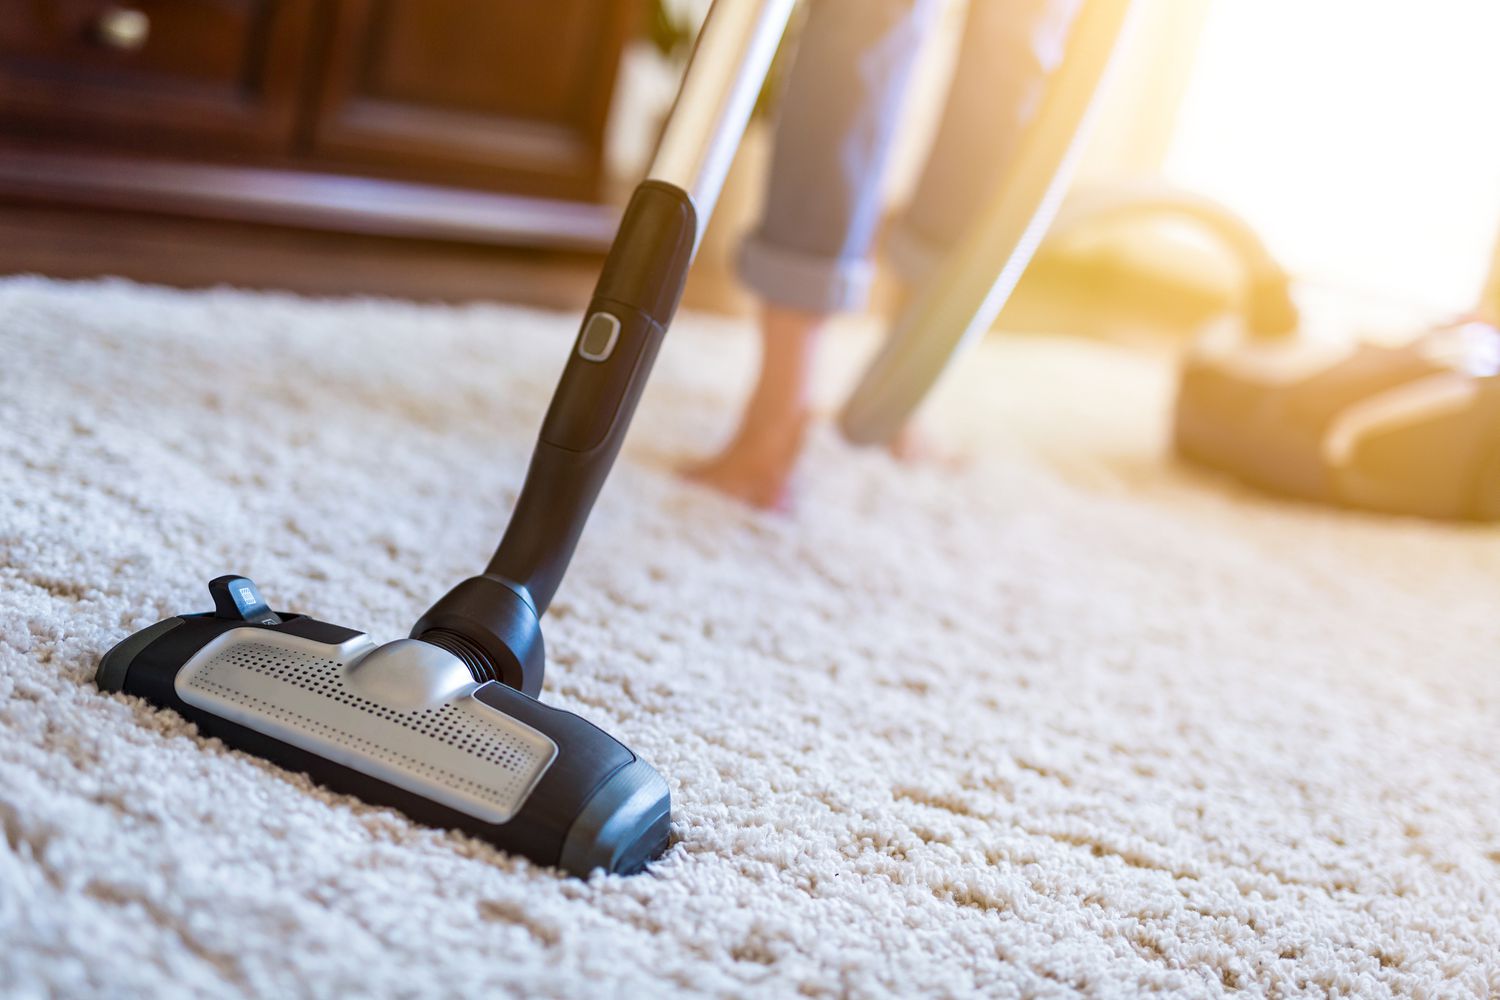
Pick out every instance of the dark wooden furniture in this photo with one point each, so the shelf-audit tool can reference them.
(479, 121)
(68, 242)
(187, 77)
(507, 94)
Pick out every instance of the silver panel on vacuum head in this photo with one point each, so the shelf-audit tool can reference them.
(455, 751)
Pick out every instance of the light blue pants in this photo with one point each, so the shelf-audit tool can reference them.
(833, 138)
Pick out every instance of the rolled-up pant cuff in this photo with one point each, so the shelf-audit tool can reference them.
(799, 280)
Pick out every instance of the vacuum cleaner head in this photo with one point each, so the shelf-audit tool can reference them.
(403, 724)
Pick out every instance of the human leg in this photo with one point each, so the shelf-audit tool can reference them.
(757, 463)
(808, 259)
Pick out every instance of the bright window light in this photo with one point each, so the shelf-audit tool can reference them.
(1358, 136)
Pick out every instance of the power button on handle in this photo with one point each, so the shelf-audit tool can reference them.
(599, 336)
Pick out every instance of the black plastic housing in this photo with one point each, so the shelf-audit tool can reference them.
(640, 287)
(492, 626)
(597, 806)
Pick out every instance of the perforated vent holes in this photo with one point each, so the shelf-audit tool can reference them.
(462, 754)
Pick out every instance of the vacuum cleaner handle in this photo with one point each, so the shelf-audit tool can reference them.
(966, 292)
(637, 295)
(627, 318)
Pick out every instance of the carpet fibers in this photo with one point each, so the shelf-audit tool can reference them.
(1064, 719)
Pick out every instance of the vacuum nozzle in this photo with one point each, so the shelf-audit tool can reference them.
(404, 724)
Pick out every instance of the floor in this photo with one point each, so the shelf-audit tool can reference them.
(1061, 719)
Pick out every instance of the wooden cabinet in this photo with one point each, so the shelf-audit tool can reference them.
(508, 94)
(184, 75)
(256, 109)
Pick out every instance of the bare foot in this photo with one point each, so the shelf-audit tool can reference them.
(757, 465)
(913, 445)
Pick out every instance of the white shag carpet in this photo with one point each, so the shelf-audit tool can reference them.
(1067, 719)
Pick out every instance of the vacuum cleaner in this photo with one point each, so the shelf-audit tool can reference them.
(446, 725)
(1412, 429)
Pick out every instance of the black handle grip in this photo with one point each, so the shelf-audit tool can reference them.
(633, 304)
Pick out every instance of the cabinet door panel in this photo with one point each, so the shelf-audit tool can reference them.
(209, 74)
(508, 94)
